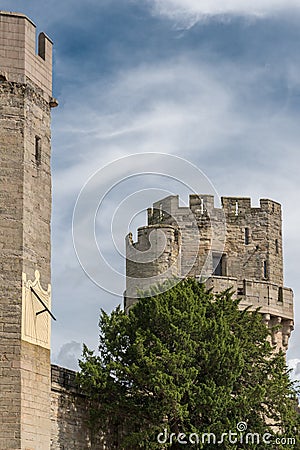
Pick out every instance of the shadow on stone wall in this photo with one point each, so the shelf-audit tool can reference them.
(70, 417)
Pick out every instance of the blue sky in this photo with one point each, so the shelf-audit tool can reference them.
(217, 85)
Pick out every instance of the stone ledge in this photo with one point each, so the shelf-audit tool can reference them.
(63, 379)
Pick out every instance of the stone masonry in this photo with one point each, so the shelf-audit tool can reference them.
(25, 212)
(236, 246)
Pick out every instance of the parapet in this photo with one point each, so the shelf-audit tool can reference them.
(63, 379)
(19, 61)
(204, 205)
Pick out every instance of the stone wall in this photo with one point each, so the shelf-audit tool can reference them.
(161, 240)
(11, 239)
(70, 417)
(236, 246)
(35, 399)
(250, 238)
(25, 213)
(247, 241)
(18, 59)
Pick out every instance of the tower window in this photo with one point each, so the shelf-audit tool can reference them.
(276, 246)
(265, 269)
(219, 265)
(38, 150)
(161, 214)
(202, 206)
(247, 236)
(236, 208)
(42, 46)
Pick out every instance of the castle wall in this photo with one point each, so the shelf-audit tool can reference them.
(155, 254)
(223, 230)
(25, 212)
(11, 240)
(35, 401)
(18, 59)
(37, 186)
(236, 246)
(70, 420)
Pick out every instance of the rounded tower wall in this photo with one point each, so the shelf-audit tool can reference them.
(152, 259)
(238, 246)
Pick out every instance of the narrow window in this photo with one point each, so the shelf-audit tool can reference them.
(202, 206)
(265, 270)
(38, 150)
(276, 246)
(160, 212)
(280, 294)
(219, 265)
(236, 208)
(246, 236)
(42, 46)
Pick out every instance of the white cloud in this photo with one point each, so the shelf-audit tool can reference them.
(294, 365)
(68, 355)
(191, 11)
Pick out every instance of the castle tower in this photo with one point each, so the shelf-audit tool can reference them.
(236, 246)
(25, 212)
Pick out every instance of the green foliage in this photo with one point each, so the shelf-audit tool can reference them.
(190, 362)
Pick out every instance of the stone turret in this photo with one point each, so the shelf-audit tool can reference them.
(25, 213)
(237, 246)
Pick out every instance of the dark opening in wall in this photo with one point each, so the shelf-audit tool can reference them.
(38, 150)
(240, 291)
(265, 269)
(276, 246)
(219, 265)
(42, 46)
(280, 294)
(247, 235)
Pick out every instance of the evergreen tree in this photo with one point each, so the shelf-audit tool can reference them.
(189, 361)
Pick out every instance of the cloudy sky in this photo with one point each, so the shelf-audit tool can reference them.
(214, 82)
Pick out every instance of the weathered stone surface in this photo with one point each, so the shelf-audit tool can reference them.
(25, 212)
(70, 416)
(248, 239)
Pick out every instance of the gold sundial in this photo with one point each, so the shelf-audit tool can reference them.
(36, 311)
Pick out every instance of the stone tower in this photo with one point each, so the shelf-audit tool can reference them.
(235, 246)
(25, 212)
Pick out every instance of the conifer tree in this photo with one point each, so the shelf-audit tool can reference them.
(191, 363)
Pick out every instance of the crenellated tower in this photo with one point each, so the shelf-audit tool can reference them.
(237, 246)
(25, 213)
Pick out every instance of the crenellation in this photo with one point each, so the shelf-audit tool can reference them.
(239, 246)
(19, 62)
(204, 204)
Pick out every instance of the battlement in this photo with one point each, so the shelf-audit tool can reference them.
(203, 205)
(19, 61)
(274, 302)
(249, 239)
(269, 297)
(63, 379)
(144, 235)
(232, 240)
(158, 244)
